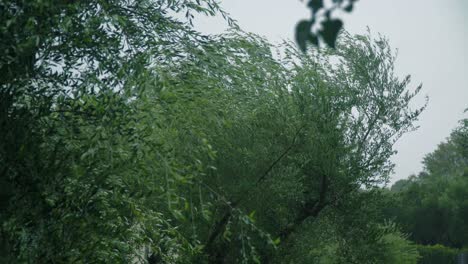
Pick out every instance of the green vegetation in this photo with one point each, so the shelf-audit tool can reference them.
(433, 207)
(128, 137)
(437, 254)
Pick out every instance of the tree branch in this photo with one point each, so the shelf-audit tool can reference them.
(221, 224)
(310, 209)
(270, 168)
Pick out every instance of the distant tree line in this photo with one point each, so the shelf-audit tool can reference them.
(432, 207)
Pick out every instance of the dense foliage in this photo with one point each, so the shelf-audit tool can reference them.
(129, 137)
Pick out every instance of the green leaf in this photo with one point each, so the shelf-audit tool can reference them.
(315, 5)
(348, 8)
(302, 33)
(277, 241)
(330, 30)
(313, 39)
(252, 216)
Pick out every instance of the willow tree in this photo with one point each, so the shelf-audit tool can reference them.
(72, 160)
(296, 140)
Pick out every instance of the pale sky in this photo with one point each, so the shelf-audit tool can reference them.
(432, 41)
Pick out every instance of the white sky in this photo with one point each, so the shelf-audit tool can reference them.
(432, 41)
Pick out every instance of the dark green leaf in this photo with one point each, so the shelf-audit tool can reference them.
(330, 30)
(315, 5)
(302, 33)
(313, 39)
(348, 8)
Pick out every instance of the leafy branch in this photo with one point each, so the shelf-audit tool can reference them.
(329, 27)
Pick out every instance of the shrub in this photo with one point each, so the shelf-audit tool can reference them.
(398, 249)
(437, 254)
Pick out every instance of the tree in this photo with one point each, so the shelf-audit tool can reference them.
(72, 154)
(303, 138)
(432, 206)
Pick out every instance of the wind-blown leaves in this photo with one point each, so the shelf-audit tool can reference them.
(133, 138)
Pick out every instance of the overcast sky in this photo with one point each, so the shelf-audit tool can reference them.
(432, 41)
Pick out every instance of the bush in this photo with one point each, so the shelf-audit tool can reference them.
(437, 254)
(398, 249)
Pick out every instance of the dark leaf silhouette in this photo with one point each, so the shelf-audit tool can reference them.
(302, 34)
(315, 5)
(323, 12)
(313, 39)
(330, 30)
(348, 8)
